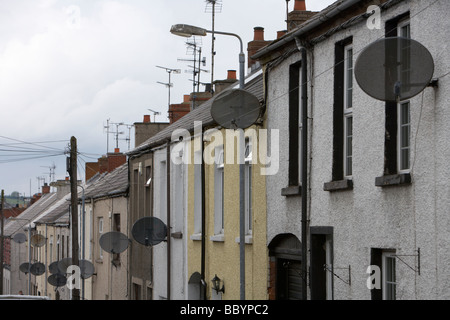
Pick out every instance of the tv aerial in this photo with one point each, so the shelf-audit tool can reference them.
(394, 69)
(114, 242)
(236, 109)
(149, 231)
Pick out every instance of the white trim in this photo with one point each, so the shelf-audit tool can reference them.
(385, 255)
(400, 136)
(348, 111)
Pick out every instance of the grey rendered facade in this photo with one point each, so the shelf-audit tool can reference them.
(378, 213)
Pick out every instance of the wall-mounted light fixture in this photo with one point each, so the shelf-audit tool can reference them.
(216, 284)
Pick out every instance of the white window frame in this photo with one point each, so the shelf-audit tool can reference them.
(248, 186)
(197, 196)
(401, 149)
(348, 112)
(387, 272)
(329, 261)
(400, 115)
(100, 232)
(219, 177)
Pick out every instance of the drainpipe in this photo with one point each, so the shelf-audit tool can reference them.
(168, 219)
(304, 146)
(203, 258)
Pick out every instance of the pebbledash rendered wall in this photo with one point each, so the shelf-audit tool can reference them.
(403, 217)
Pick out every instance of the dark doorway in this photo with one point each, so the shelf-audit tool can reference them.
(286, 279)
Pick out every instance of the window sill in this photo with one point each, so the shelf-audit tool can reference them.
(196, 237)
(291, 191)
(346, 184)
(217, 238)
(177, 235)
(393, 180)
(248, 239)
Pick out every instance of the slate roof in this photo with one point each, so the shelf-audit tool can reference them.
(56, 211)
(254, 85)
(14, 226)
(111, 184)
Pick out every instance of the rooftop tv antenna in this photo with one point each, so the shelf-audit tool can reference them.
(52, 171)
(155, 113)
(394, 69)
(213, 7)
(169, 84)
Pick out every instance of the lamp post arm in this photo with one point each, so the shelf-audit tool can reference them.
(241, 56)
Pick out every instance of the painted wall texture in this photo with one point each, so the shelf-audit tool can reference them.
(402, 217)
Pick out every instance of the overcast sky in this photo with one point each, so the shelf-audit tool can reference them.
(67, 66)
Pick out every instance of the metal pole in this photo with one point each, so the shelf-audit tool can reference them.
(241, 172)
(74, 209)
(83, 240)
(29, 258)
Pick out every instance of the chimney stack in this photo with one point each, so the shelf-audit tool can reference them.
(299, 15)
(253, 46)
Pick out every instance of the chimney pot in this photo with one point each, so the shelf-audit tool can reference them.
(231, 75)
(116, 150)
(186, 98)
(146, 118)
(258, 34)
(299, 5)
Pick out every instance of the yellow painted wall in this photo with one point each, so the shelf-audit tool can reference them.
(222, 257)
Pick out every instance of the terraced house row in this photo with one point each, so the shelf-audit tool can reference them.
(346, 196)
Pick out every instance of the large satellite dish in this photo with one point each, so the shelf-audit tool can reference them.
(394, 69)
(57, 280)
(149, 231)
(53, 267)
(63, 264)
(19, 237)
(37, 268)
(38, 240)
(235, 109)
(24, 267)
(114, 242)
(86, 269)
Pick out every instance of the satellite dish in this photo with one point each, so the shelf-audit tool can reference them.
(53, 267)
(114, 242)
(63, 264)
(235, 109)
(86, 268)
(24, 267)
(38, 240)
(20, 238)
(394, 69)
(149, 231)
(57, 280)
(37, 268)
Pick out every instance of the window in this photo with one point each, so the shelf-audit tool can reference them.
(100, 232)
(248, 186)
(397, 144)
(404, 143)
(295, 124)
(403, 107)
(348, 107)
(197, 192)
(163, 191)
(342, 164)
(388, 275)
(219, 191)
(116, 227)
(384, 259)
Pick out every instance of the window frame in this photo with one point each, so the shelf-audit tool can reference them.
(219, 195)
(348, 112)
(388, 255)
(248, 186)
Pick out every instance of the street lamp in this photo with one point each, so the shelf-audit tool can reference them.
(185, 30)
